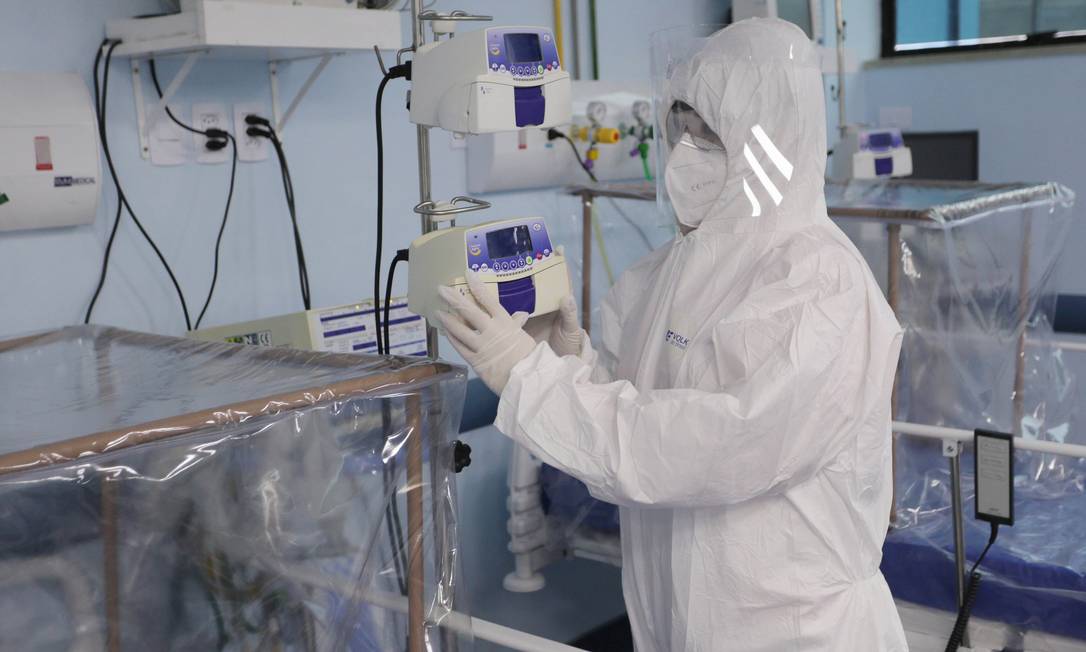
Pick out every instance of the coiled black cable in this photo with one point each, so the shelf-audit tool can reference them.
(215, 136)
(122, 199)
(969, 597)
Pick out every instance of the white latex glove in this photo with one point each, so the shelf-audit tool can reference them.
(561, 330)
(490, 339)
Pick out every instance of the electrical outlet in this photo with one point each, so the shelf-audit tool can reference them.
(250, 149)
(210, 115)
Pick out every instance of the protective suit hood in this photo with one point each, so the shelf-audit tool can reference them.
(757, 84)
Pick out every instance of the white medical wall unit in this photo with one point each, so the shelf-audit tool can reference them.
(527, 159)
(49, 170)
(276, 32)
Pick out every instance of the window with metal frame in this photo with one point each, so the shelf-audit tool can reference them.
(926, 26)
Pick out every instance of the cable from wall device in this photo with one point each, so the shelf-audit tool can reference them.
(554, 134)
(120, 206)
(401, 256)
(401, 70)
(101, 113)
(261, 127)
(217, 140)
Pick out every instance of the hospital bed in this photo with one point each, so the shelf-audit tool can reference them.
(161, 493)
(966, 267)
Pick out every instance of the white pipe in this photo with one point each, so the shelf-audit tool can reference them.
(1020, 443)
(1077, 346)
(839, 20)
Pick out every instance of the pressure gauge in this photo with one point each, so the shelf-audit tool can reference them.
(596, 112)
(642, 111)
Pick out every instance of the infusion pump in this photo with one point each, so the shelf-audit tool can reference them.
(514, 258)
(490, 80)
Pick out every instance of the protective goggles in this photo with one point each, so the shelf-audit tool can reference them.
(683, 119)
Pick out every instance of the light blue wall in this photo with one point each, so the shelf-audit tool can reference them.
(48, 276)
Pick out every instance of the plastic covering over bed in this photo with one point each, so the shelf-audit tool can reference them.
(158, 493)
(968, 269)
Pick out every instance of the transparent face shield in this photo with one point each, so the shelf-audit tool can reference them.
(677, 123)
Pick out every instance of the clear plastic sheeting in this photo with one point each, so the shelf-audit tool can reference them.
(159, 493)
(968, 268)
(624, 228)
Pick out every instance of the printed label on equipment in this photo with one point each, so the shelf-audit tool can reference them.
(259, 338)
(351, 329)
(66, 182)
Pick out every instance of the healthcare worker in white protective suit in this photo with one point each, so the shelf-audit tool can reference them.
(738, 410)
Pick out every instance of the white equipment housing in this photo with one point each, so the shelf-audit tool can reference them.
(490, 80)
(868, 153)
(514, 257)
(49, 171)
(340, 329)
(526, 159)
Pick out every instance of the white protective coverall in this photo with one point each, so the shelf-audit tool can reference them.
(738, 410)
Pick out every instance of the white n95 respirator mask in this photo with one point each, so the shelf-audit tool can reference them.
(694, 178)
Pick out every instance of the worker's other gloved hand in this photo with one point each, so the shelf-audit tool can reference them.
(561, 330)
(490, 339)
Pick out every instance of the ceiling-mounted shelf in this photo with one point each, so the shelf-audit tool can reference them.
(248, 30)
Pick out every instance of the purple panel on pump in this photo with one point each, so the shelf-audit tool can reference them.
(517, 296)
(530, 105)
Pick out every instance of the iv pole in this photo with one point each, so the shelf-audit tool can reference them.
(423, 136)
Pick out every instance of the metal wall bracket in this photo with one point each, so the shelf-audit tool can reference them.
(144, 122)
(952, 448)
(282, 117)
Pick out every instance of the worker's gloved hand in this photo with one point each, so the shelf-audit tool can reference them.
(490, 339)
(561, 330)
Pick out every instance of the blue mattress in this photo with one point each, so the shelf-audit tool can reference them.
(1033, 577)
(1030, 595)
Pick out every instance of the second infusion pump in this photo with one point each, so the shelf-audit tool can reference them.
(490, 80)
(515, 259)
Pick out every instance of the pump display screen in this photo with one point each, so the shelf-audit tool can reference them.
(523, 48)
(509, 243)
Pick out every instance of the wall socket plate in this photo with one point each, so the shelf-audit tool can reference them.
(210, 115)
(168, 143)
(250, 149)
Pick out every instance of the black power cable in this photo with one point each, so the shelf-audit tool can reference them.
(970, 596)
(100, 112)
(217, 139)
(120, 205)
(402, 70)
(261, 128)
(401, 256)
(554, 134)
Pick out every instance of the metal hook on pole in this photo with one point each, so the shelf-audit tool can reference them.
(380, 61)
